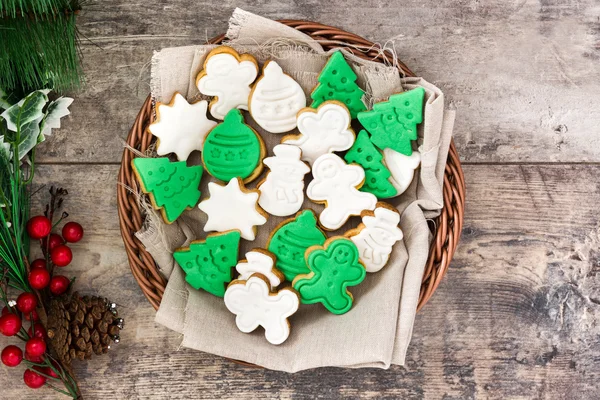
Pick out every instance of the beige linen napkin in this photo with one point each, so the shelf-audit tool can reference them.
(377, 331)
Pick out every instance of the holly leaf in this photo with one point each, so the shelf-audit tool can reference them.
(27, 110)
(29, 137)
(4, 100)
(56, 110)
(4, 147)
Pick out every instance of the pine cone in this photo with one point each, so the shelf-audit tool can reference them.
(81, 326)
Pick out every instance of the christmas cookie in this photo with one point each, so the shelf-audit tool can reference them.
(233, 207)
(207, 263)
(401, 167)
(275, 100)
(336, 185)
(324, 130)
(290, 240)
(233, 150)
(172, 186)
(393, 123)
(227, 76)
(337, 81)
(259, 261)
(254, 305)
(376, 235)
(180, 127)
(282, 191)
(334, 267)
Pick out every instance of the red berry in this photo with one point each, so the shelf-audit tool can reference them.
(36, 317)
(39, 227)
(12, 356)
(6, 310)
(27, 302)
(35, 347)
(39, 278)
(48, 371)
(36, 359)
(52, 241)
(40, 331)
(61, 255)
(39, 263)
(10, 324)
(33, 379)
(59, 284)
(72, 232)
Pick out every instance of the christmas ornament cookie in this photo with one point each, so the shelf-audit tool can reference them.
(393, 123)
(227, 76)
(275, 100)
(401, 167)
(233, 207)
(259, 261)
(207, 263)
(282, 191)
(336, 185)
(254, 305)
(324, 130)
(334, 267)
(172, 186)
(376, 235)
(180, 127)
(337, 81)
(233, 150)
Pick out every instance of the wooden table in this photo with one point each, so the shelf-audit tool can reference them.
(518, 316)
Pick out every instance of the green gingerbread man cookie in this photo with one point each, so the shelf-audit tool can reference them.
(334, 268)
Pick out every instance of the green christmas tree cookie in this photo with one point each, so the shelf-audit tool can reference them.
(365, 154)
(291, 239)
(337, 81)
(172, 186)
(393, 123)
(232, 149)
(207, 263)
(334, 268)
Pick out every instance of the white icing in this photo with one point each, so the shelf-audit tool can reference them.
(258, 262)
(335, 182)
(282, 192)
(228, 207)
(229, 80)
(254, 306)
(276, 99)
(323, 131)
(376, 239)
(181, 127)
(401, 167)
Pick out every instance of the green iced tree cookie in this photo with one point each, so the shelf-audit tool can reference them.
(172, 186)
(337, 81)
(207, 263)
(393, 123)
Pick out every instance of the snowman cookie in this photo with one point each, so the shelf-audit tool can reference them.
(275, 100)
(282, 191)
(260, 261)
(401, 167)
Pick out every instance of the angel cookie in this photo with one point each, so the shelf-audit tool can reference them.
(259, 261)
(401, 167)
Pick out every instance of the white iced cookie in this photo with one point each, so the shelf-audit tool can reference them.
(336, 184)
(180, 127)
(376, 235)
(401, 167)
(227, 75)
(275, 100)
(259, 261)
(255, 305)
(282, 191)
(232, 207)
(324, 130)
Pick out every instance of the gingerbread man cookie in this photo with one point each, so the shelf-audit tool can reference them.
(260, 261)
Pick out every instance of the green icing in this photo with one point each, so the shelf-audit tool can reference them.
(337, 81)
(173, 185)
(207, 264)
(290, 241)
(393, 123)
(334, 268)
(232, 149)
(365, 154)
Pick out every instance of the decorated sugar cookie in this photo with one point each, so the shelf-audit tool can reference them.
(233, 149)
(207, 263)
(260, 261)
(180, 127)
(255, 305)
(401, 167)
(290, 240)
(322, 131)
(282, 191)
(393, 123)
(275, 100)
(172, 186)
(336, 184)
(227, 76)
(334, 267)
(233, 207)
(376, 235)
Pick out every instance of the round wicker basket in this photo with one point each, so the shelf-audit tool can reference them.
(446, 228)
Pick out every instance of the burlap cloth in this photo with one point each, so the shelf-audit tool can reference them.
(377, 331)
